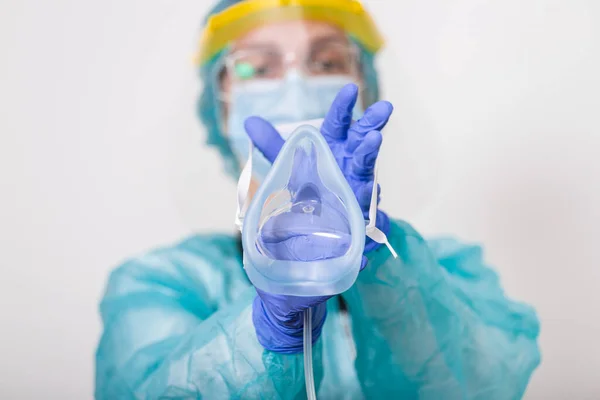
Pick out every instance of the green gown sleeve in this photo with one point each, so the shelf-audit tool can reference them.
(435, 324)
(178, 324)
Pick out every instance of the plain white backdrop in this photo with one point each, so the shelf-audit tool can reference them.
(496, 139)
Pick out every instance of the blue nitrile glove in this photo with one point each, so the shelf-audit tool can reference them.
(278, 318)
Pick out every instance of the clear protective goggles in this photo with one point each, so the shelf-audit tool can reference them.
(270, 75)
(327, 58)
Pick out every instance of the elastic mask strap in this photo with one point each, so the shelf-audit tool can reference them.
(372, 231)
(243, 187)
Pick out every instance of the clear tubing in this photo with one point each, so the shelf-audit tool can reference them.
(308, 361)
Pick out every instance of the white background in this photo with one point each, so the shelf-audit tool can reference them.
(101, 157)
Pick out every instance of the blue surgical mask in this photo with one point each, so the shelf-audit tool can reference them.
(285, 103)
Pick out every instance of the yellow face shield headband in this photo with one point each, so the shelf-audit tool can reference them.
(226, 26)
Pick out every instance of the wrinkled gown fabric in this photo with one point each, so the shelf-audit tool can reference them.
(432, 324)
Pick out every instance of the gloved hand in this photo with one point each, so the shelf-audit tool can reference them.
(355, 146)
(278, 318)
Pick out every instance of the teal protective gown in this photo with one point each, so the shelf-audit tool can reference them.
(432, 324)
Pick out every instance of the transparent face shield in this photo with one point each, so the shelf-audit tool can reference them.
(288, 48)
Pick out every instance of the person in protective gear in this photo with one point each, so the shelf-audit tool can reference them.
(184, 321)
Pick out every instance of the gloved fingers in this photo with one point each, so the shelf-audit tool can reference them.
(364, 194)
(338, 119)
(365, 156)
(264, 136)
(374, 119)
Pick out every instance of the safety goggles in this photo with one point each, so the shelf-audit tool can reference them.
(270, 63)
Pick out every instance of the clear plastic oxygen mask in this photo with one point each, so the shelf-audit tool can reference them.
(303, 233)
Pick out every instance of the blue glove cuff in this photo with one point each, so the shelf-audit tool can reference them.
(285, 336)
(383, 224)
